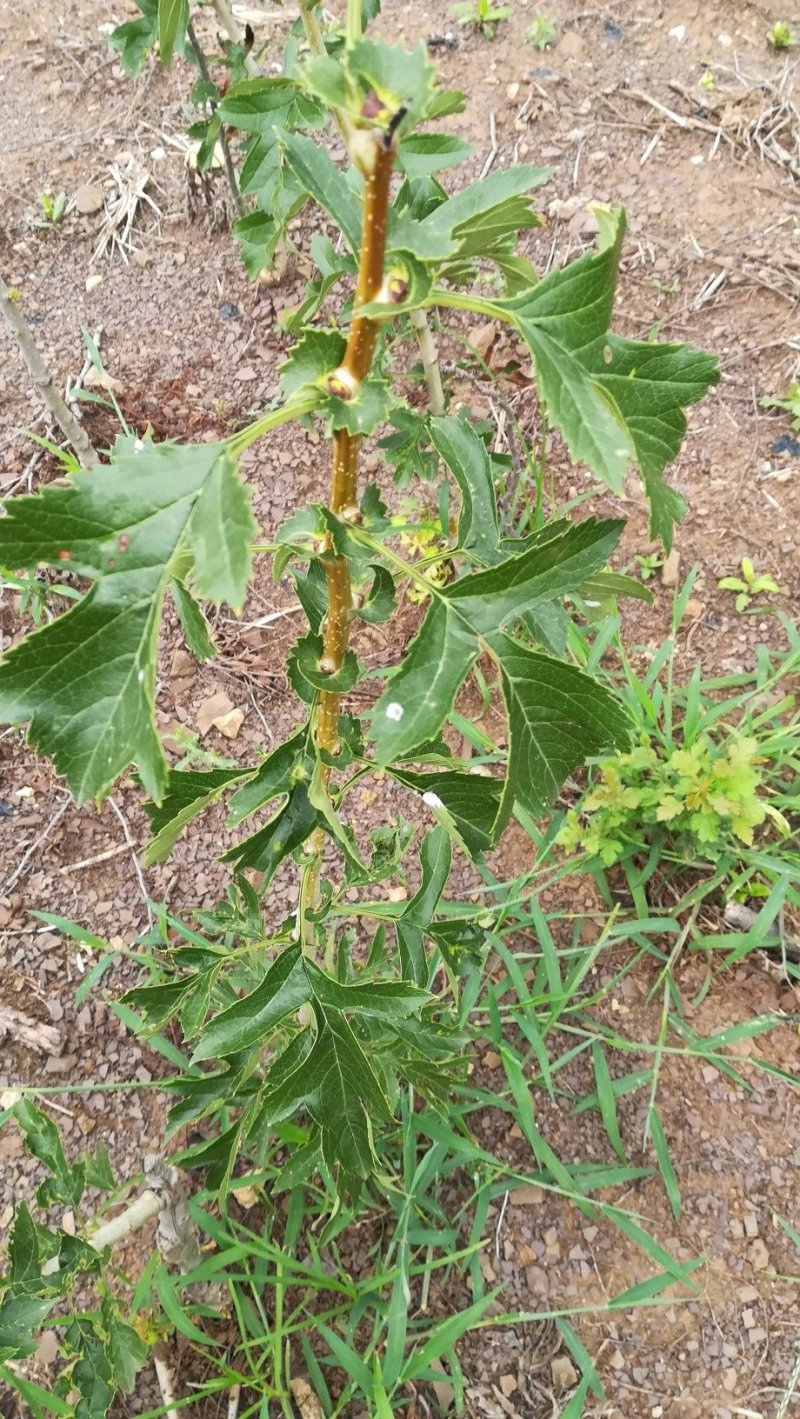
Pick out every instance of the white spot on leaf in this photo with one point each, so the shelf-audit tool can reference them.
(394, 711)
(432, 800)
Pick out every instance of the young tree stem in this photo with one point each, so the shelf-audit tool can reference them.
(430, 360)
(316, 43)
(378, 161)
(230, 171)
(43, 380)
(232, 29)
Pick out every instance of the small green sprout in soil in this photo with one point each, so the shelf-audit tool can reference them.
(51, 209)
(789, 405)
(781, 36)
(542, 32)
(481, 14)
(749, 585)
(648, 564)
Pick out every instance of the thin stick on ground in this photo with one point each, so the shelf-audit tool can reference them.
(148, 1205)
(42, 380)
(166, 1380)
(135, 859)
(37, 842)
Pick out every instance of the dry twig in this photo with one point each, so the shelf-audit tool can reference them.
(37, 842)
(121, 207)
(35, 1035)
(135, 859)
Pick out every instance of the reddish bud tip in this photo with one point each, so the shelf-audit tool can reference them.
(374, 108)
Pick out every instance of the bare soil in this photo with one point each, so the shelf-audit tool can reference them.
(615, 106)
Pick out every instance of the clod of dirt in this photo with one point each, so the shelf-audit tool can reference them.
(47, 1351)
(182, 665)
(215, 707)
(671, 568)
(32, 1033)
(571, 46)
(229, 724)
(526, 1195)
(758, 1255)
(561, 209)
(89, 199)
(563, 1372)
(246, 1196)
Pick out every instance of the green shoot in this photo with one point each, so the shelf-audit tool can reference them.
(481, 14)
(749, 585)
(781, 36)
(790, 404)
(542, 33)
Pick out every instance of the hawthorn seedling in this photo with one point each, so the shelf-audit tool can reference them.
(314, 1016)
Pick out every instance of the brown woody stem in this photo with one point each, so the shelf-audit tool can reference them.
(375, 158)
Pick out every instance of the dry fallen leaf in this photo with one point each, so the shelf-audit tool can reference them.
(101, 379)
(445, 1394)
(482, 338)
(305, 1399)
(246, 1196)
